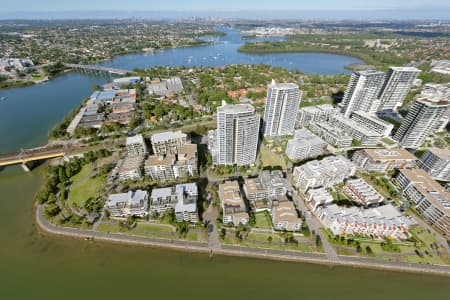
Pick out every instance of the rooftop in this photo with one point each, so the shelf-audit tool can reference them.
(429, 188)
(285, 212)
(187, 151)
(236, 108)
(132, 197)
(405, 69)
(389, 154)
(443, 154)
(282, 86)
(155, 160)
(137, 139)
(168, 135)
(369, 72)
(130, 163)
(230, 194)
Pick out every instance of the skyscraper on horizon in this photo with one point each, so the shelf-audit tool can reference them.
(420, 121)
(397, 83)
(362, 92)
(237, 134)
(282, 104)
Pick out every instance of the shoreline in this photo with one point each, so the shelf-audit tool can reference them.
(237, 251)
(309, 50)
(22, 84)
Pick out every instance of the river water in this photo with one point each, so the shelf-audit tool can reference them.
(47, 267)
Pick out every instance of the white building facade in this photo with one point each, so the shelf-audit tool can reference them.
(237, 134)
(362, 92)
(283, 100)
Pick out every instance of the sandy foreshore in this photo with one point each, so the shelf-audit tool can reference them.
(228, 250)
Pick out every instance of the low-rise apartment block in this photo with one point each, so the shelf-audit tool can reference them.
(268, 187)
(133, 203)
(182, 199)
(318, 197)
(172, 167)
(130, 169)
(313, 114)
(431, 200)
(383, 160)
(285, 217)
(323, 173)
(372, 122)
(357, 131)
(169, 142)
(362, 193)
(305, 145)
(136, 146)
(332, 135)
(437, 163)
(337, 129)
(381, 222)
(233, 207)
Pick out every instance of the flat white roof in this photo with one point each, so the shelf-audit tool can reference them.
(167, 135)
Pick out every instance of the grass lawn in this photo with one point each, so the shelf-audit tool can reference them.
(84, 187)
(141, 230)
(192, 236)
(262, 237)
(105, 227)
(154, 227)
(263, 220)
(423, 235)
(269, 158)
(406, 254)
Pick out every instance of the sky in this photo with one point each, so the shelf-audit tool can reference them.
(214, 5)
(249, 9)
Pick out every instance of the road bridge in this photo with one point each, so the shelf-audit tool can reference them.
(98, 69)
(25, 156)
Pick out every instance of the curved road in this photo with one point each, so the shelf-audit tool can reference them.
(316, 258)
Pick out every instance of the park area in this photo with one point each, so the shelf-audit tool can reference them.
(149, 230)
(84, 186)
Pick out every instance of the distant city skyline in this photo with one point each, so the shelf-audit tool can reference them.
(178, 9)
(207, 5)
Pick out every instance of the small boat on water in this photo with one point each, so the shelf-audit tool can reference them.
(2, 98)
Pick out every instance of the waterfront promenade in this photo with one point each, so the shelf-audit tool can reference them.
(283, 255)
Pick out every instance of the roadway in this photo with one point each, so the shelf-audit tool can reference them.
(97, 68)
(31, 155)
(317, 258)
(312, 222)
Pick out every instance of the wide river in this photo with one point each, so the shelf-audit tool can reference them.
(47, 267)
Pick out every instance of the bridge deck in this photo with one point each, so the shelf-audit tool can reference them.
(31, 155)
(98, 68)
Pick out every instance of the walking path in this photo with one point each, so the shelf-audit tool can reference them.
(210, 216)
(296, 256)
